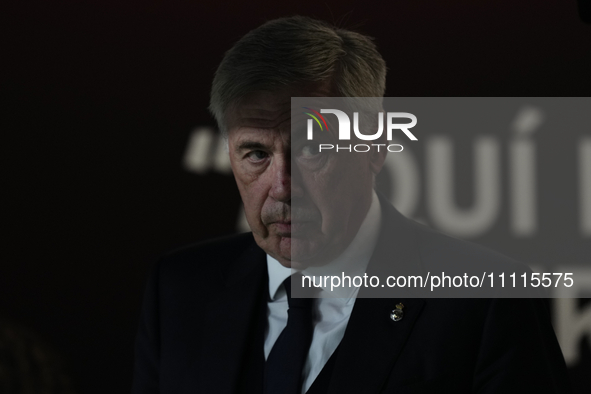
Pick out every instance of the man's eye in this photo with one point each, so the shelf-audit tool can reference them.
(310, 151)
(257, 155)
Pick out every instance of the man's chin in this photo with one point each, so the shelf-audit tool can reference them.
(293, 252)
(307, 253)
(300, 260)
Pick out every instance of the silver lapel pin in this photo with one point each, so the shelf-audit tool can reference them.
(397, 314)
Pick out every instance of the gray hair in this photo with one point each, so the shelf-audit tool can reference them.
(288, 51)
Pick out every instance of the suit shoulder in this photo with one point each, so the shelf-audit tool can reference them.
(204, 255)
(439, 249)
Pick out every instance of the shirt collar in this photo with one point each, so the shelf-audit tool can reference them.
(353, 260)
(277, 274)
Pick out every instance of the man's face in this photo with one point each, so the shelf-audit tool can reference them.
(303, 210)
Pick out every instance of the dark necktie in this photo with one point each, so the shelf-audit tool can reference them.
(283, 369)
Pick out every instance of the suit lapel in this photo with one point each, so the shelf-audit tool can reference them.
(234, 324)
(373, 341)
(372, 344)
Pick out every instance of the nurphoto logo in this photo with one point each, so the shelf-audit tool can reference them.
(345, 129)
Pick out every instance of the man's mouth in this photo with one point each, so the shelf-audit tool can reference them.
(287, 228)
(283, 228)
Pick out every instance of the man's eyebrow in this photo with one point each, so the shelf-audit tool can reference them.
(246, 145)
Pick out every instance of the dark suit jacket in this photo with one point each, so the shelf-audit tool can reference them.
(204, 315)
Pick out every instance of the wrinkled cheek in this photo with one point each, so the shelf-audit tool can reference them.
(252, 209)
(253, 217)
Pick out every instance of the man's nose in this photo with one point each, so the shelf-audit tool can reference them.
(281, 179)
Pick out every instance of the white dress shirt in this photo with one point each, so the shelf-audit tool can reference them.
(331, 314)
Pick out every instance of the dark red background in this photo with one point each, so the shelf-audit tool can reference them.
(99, 98)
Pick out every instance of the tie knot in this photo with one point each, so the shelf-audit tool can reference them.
(299, 302)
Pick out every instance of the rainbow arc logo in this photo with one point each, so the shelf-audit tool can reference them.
(316, 119)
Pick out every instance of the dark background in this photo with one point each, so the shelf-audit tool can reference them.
(99, 100)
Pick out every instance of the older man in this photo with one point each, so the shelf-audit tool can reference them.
(219, 317)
